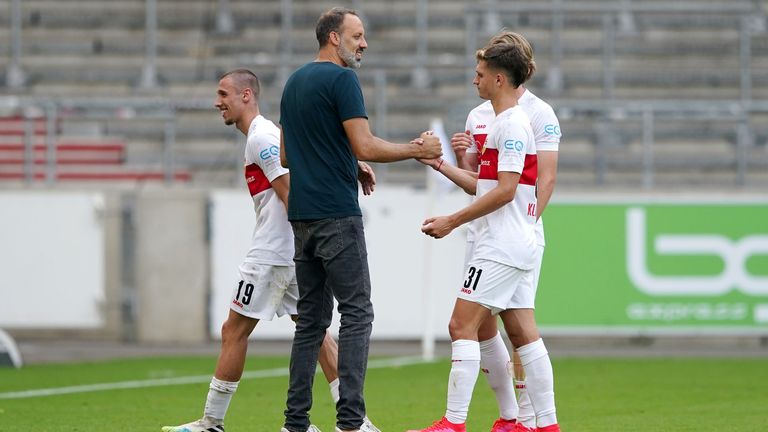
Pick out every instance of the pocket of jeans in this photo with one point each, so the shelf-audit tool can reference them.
(298, 240)
(330, 238)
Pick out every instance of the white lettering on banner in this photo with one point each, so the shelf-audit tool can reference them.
(687, 311)
(733, 253)
(761, 313)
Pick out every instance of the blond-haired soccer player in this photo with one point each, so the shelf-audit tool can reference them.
(467, 146)
(501, 270)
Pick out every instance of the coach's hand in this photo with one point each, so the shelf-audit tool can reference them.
(366, 177)
(430, 147)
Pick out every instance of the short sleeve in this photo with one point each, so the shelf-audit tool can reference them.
(513, 141)
(548, 133)
(264, 151)
(349, 96)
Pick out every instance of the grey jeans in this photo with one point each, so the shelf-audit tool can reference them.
(331, 261)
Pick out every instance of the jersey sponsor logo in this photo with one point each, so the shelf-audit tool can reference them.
(480, 141)
(256, 180)
(552, 129)
(269, 152)
(489, 164)
(480, 126)
(531, 209)
(515, 145)
(733, 253)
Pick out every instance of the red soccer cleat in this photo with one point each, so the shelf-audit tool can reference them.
(550, 428)
(502, 425)
(523, 428)
(443, 425)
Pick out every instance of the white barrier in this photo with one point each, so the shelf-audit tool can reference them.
(397, 256)
(52, 260)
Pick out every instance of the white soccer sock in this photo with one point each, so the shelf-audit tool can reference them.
(465, 364)
(497, 367)
(219, 394)
(539, 381)
(334, 385)
(526, 415)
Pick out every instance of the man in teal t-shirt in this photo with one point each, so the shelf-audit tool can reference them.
(324, 133)
(317, 99)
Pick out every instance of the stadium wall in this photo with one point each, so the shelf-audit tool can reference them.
(157, 265)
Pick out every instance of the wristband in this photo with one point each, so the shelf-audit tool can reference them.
(439, 164)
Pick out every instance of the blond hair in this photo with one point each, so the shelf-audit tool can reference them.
(507, 37)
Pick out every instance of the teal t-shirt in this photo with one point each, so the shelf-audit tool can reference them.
(317, 98)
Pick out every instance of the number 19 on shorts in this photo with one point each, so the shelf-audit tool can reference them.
(248, 292)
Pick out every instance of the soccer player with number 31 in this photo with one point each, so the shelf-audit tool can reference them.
(501, 272)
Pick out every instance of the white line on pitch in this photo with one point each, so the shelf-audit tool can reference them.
(193, 379)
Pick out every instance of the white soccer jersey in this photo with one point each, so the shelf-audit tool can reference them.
(545, 126)
(507, 235)
(544, 122)
(272, 241)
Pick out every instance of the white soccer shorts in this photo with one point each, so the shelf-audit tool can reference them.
(498, 286)
(515, 303)
(265, 291)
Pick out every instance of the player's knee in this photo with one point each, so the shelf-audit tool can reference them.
(524, 337)
(236, 329)
(458, 329)
(488, 329)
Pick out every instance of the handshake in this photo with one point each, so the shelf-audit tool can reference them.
(429, 147)
(427, 140)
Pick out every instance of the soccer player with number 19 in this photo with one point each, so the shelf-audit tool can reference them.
(267, 284)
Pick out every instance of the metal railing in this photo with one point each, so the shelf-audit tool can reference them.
(609, 124)
(643, 118)
(52, 112)
(750, 15)
(614, 18)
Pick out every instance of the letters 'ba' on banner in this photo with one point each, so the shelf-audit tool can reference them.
(645, 267)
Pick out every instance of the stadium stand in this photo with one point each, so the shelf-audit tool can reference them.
(695, 73)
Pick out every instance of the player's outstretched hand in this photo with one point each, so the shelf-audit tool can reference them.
(437, 227)
(428, 162)
(461, 141)
(430, 147)
(366, 177)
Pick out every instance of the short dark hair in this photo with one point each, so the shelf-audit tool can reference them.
(244, 78)
(330, 21)
(508, 58)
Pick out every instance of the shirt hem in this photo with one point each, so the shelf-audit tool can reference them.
(317, 216)
(289, 263)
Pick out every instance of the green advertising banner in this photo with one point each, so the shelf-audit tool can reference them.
(655, 267)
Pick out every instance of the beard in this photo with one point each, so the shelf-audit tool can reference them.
(348, 57)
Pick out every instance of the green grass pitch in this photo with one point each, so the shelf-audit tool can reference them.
(592, 395)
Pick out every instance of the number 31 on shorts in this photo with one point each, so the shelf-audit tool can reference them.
(473, 277)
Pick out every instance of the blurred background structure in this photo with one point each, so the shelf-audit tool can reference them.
(106, 109)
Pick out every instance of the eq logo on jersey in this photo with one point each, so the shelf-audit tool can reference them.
(552, 129)
(516, 145)
(269, 152)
